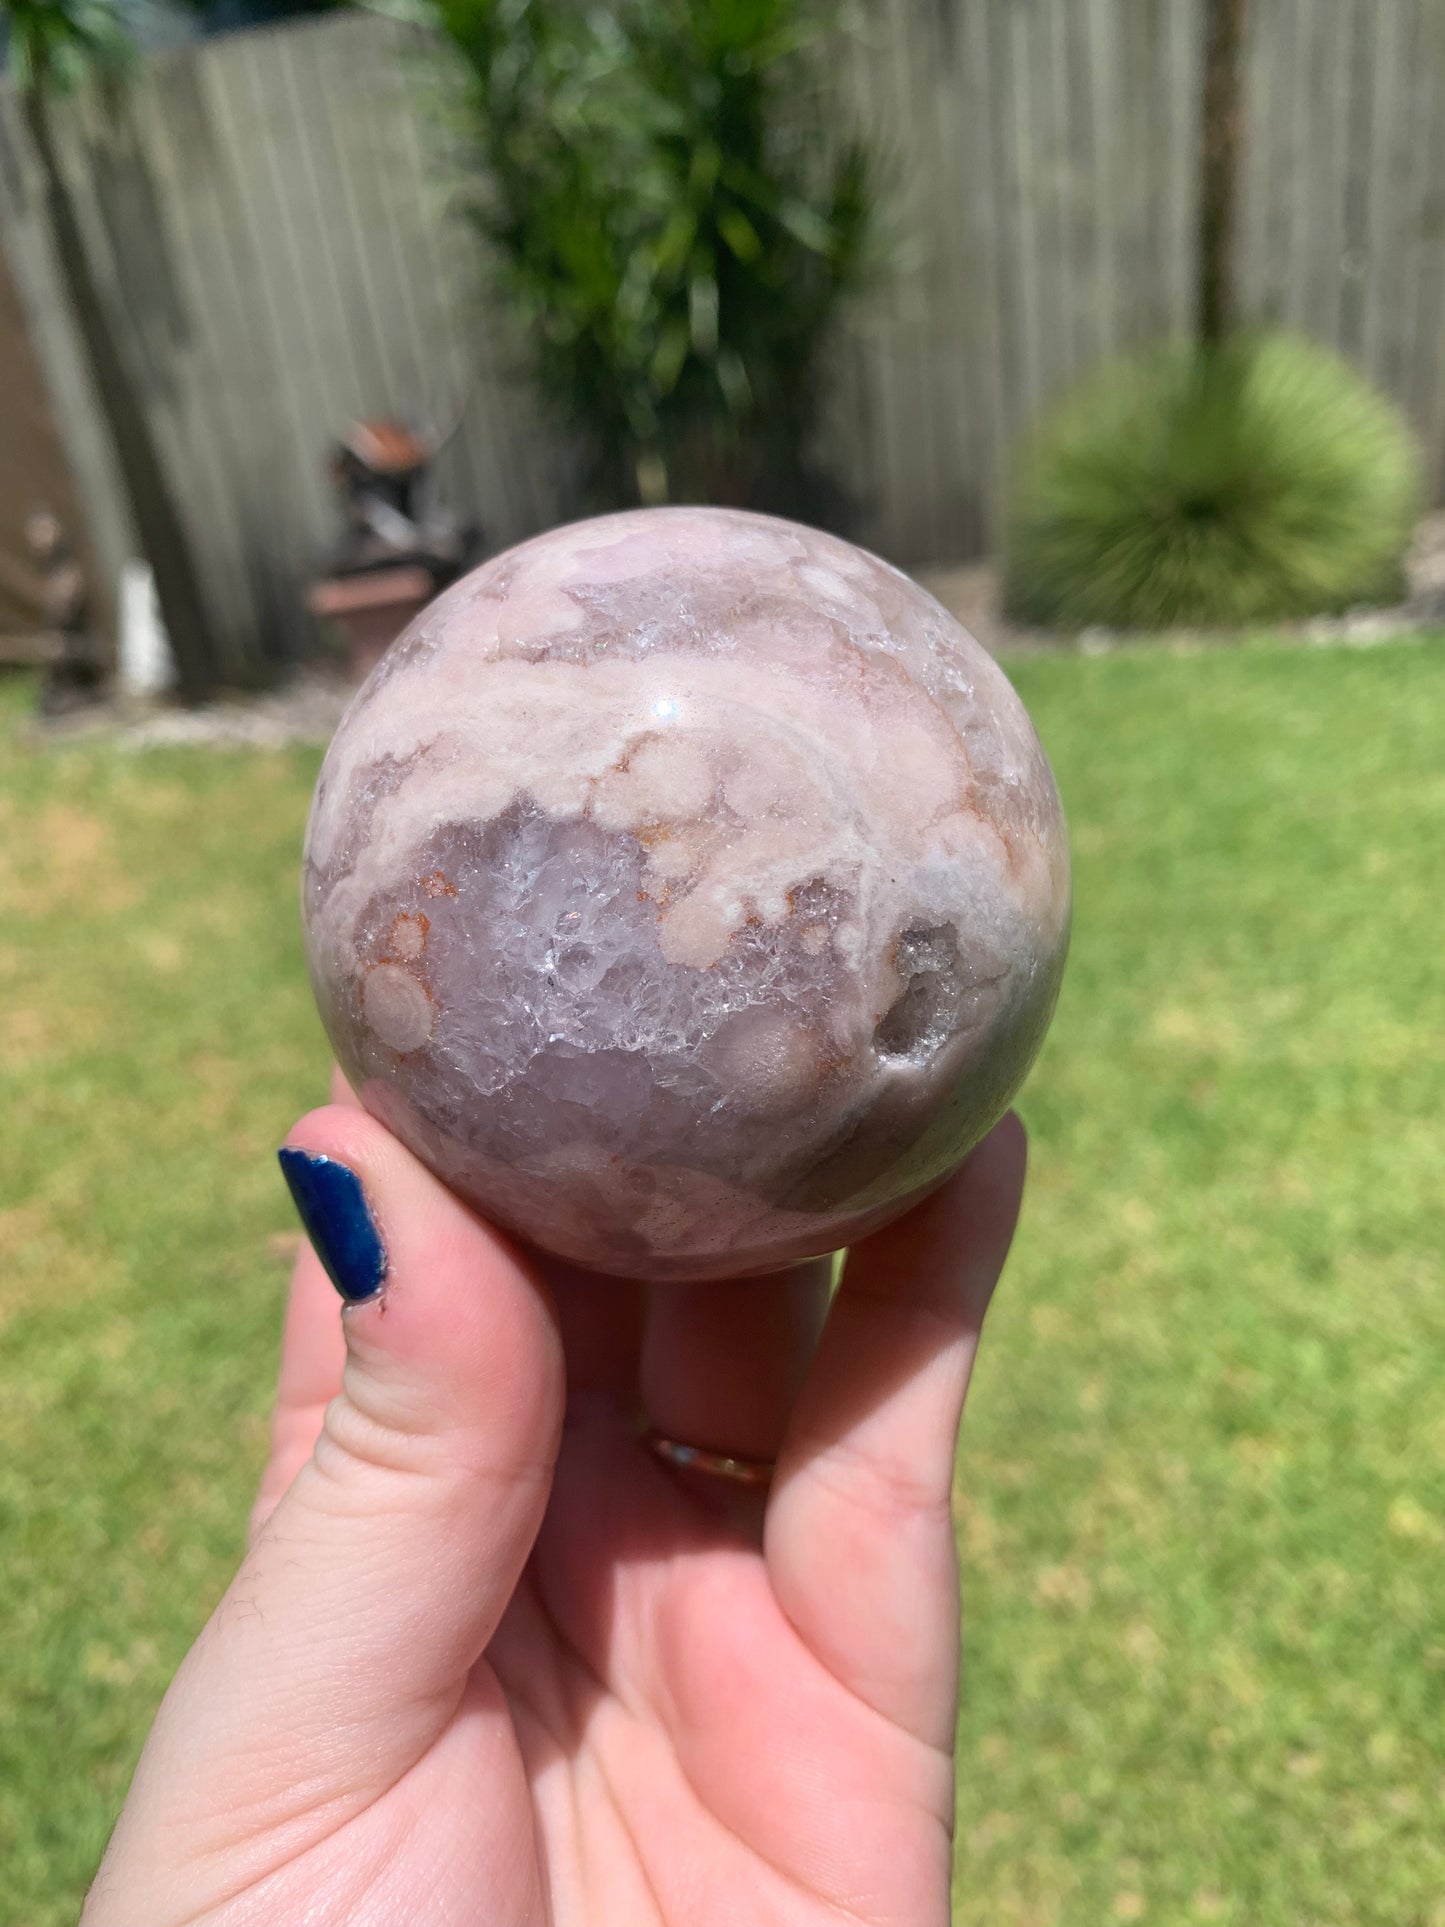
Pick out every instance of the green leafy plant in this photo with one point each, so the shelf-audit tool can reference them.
(674, 227)
(219, 16)
(1258, 480)
(53, 44)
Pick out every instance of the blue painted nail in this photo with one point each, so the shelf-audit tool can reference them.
(338, 1222)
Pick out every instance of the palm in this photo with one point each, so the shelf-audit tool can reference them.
(686, 1755)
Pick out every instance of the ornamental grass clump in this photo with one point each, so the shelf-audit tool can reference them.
(1258, 481)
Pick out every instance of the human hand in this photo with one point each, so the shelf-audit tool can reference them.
(489, 1660)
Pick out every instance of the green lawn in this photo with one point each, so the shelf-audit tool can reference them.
(1203, 1478)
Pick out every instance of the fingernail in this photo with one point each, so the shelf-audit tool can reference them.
(338, 1221)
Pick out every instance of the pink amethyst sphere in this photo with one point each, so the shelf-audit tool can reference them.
(688, 890)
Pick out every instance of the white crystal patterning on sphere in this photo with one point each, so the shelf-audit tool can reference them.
(688, 890)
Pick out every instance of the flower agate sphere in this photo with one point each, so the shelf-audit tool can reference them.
(688, 890)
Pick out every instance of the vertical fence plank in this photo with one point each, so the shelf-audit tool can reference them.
(1076, 106)
(1361, 48)
(1264, 234)
(1381, 208)
(967, 109)
(912, 427)
(1422, 383)
(1426, 384)
(217, 367)
(426, 288)
(1180, 87)
(57, 346)
(845, 438)
(881, 487)
(1046, 164)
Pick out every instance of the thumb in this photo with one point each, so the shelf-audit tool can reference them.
(341, 1651)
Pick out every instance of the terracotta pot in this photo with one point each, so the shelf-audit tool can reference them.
(370, 611)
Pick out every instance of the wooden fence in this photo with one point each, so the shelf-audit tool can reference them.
(33, 470)
(274, 226)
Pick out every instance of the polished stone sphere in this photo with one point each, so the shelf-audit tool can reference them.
(688, 890)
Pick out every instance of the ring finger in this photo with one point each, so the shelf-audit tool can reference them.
(722, 1363)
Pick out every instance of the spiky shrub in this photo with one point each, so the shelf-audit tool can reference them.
(1258, 481)
(673, 226)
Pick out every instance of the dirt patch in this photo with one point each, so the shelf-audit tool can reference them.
(36, 1027)
(72, 840)
(28, 1037)
(37, 1264)
(65, 858)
